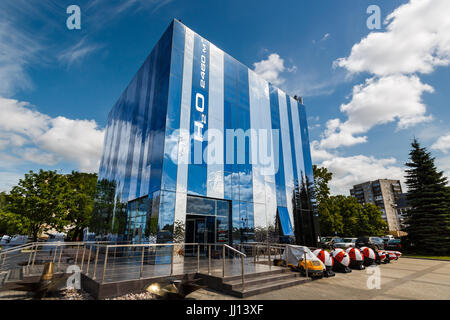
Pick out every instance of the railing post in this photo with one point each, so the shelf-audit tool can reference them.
(268, 255)
(198, 258)
(34, 256)
(29, 258)
(209, 259)
(56, 250)
(104, 264)
(89, 261)
(142, 263)
(242, 271)
(4, 259)
(96, 260)
(82, 257)
(306, 264)
(76, 256)
(254, 253)
(60, 253)
(223, 261)
(286, 255)
(171, 260)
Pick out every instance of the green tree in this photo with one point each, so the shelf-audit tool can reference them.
(40, 202)
(371, 221)
(82, 190)
(321, 179)
(428, 220)
(344, 216)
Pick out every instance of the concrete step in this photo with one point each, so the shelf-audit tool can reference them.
(271, 278)
(276, 270)
(259, 288)
(14, 275)
(3, 275)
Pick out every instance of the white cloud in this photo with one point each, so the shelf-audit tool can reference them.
(79, 141)
(9, 180)
(47, 140)
(318, 153)
(348, 171)
(378, 101)
(442, 144)
(417, 39)
(272, 68)
(443, 164)
(17, 49)
(78, 52)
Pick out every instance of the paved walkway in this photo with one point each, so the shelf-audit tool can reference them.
(402, 279)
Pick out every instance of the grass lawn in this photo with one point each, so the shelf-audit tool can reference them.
(427, 257)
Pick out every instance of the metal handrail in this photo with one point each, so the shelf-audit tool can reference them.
(243, 255)
(235, 250)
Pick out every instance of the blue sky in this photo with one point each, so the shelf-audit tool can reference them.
(368, 92)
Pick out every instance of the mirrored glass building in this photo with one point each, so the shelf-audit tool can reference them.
(199, 149)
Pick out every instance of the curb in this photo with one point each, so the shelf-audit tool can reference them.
(426, 259)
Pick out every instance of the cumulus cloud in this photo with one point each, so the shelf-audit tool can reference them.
(318, 153)
(444, 165)
(417, 39)
(348, 171)
(46, 140)
(442, 144)
(272, 68)
(378, 101)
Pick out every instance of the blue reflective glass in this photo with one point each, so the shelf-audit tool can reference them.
(279, 175)
(197, 180)
(285, 221)
(202, 206)
(166, 217)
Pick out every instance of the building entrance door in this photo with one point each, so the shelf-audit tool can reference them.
(200, 229)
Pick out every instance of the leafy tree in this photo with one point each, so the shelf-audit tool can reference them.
(83, 190)
(321, 179)
(40, 202)
(330, 222)
(371, 221)
(428, 220)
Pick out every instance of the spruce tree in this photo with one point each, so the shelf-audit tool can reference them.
(428, 220)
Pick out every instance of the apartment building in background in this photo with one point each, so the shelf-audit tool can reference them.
(384, 193)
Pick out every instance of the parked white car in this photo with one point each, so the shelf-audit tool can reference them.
(347, 243)
(5, 239)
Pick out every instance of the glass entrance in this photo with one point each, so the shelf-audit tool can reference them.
(207, 221)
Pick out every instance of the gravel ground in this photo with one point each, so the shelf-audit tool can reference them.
(136, 296)
(72, 294)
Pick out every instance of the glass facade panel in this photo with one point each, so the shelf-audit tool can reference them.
(156, 173)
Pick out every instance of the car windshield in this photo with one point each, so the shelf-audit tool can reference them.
(347, 240)
(338, 240)
(394, 241)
